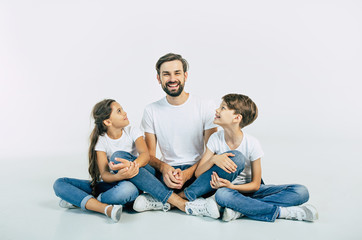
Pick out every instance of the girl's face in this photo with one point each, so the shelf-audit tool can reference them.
(118, 116)
(225, 116)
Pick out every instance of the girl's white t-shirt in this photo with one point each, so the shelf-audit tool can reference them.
(125, 143)
(249, 147)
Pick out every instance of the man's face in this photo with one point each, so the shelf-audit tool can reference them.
(172, 77)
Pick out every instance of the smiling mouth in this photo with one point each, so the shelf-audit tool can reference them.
(172, 85)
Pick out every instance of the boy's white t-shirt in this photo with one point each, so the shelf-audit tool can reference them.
(125, 143)
(179, 129)
(249, 147)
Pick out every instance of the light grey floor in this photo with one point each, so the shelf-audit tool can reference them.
(29, 208)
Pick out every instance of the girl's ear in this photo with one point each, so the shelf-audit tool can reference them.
(107, 122)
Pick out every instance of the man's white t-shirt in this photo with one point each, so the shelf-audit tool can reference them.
(125, 143)
(249, 147)
(179, 129)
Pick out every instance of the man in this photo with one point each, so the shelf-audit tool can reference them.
(180, 122)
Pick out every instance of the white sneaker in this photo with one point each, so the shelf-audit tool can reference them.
(65, 204)
(230, 215)
(203, 207)
(302, 213)
(115, 213)
(146, 202)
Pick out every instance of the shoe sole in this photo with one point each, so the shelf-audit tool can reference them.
(226, 217)
(212, 206)
(311, 213)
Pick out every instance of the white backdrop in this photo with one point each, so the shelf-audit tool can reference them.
(300, 61)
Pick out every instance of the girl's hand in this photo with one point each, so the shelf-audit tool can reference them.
(123, 164)
(217, 182)
(224, 162)
(128, 172)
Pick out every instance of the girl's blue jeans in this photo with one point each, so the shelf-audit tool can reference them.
(78, 192)
(202, 185)
(263, 205)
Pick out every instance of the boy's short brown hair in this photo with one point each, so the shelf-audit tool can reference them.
(242, 105)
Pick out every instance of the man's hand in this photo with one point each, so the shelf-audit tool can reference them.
(224, 162)
(182, 176)
(128, 172)
(217, 182)
(169, 177)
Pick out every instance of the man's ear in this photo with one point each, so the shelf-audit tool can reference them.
(107, 122)
(186, 75)
(159, 79)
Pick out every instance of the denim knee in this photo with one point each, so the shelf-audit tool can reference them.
(223, 195)
(238, 159)
(57, 186)
(302, 193)
(122, 193)
(121, 154)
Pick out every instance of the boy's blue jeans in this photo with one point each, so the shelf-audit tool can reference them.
(78, 192)
(202, 185)
(263, 205)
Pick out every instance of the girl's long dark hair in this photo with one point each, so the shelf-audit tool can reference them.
(101, 111)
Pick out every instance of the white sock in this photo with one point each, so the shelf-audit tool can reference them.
(283, 212)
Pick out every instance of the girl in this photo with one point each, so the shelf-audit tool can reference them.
(247, 195)
(110, 135)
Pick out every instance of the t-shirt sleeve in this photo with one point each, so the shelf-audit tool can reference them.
(147, 121)
(212, 143)
(209, 114)
(136, 133)
(256, 151)
(100, 146)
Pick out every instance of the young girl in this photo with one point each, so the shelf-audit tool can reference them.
(113, 141)
(247, 195)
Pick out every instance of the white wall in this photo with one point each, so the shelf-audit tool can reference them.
(299, 60)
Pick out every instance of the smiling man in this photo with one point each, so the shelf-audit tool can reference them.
(181, 123)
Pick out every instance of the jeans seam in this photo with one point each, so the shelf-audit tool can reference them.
(84, 201)
(164, 201)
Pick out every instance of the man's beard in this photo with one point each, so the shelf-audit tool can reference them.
(174, 93)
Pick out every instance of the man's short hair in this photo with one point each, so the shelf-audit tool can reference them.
(171, 57)
(242, 105)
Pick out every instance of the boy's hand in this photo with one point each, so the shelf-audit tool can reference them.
(217, 182)
(123, 164)
(224, 162)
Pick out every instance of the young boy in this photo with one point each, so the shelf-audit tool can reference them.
(247, 195)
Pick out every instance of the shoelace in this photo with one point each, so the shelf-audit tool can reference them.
(199, 209)
(153, 203)
(296, 214)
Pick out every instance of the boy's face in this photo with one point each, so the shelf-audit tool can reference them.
(225, 116)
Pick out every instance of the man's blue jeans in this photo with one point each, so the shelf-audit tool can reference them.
(202, 185)
(263, 205)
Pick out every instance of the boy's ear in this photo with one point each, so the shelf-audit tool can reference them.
(107, 122)
(238, 118)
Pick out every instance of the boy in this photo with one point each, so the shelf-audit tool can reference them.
(247, 194)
